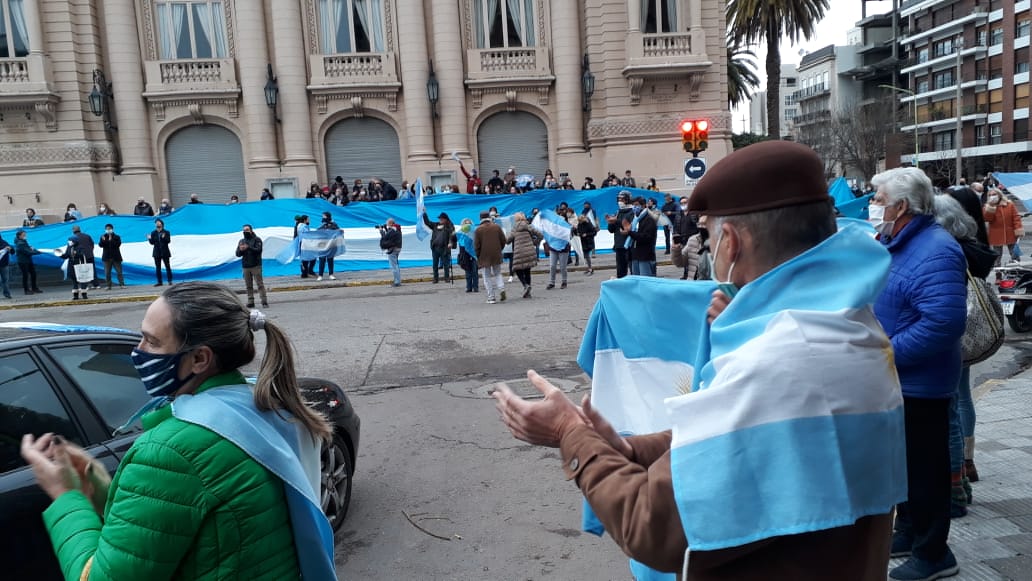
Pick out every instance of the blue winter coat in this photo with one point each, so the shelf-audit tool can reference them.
(923, 307)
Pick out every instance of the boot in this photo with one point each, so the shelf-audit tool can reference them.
(75, 295)
(970, 470)
(84, 294)
(969, 462)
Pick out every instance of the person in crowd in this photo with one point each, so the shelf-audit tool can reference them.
(549, 182)
(24, 253)
(686, 252)
(387, 192)
(390, 242)
(627, 181)
(589, 212)
(302, 225)
(586, 231)
(558, 260)
(615, 226)
(142, 208)
(923, 311)
(72, 213)
(74, 254)
(105, 210)
(340, 195)
(953, 216)
(495, 185)
(314, 191)
(488, 242)
(631, 482)
(165, 208)
(641, 231)
(111, 255)
(327, 224)
(515, 191)
(1005, 228)
(510, 177)
(31, 219)
(87, 246)
(249, 249)
(161, 240)
(589, 184)
(337, 182)
(685, 227)
(651, 186)
(194, 199)
(524, 239)
(442, 240)
(472, 178)
(267, 195)
(575, 242)
(669, 210)
(6, 250)
(225, 452)
(234, 199)
(358, 192)
(467, 261)
(568, 184)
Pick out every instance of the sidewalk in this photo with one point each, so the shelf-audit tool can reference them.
(994, 541)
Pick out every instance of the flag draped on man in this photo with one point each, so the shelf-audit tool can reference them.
(422, 230)
(787, 448)
(555, 228)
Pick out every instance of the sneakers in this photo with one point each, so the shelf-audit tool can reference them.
(550, 286)
(915, 569)
(562, 286)
(902, 545)
(526, 292)
(333, 277)
(318, 279)
(510, 279)
(491, 301)
(502, 296)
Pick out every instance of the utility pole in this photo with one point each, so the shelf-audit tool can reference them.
(959, 47)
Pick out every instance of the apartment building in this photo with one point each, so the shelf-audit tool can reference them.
(108, 101)
(787, 109)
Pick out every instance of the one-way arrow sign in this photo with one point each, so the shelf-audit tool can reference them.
(694, 168)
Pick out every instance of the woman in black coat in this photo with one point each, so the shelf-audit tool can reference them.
(160, 239)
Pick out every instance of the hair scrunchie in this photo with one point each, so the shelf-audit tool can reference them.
(257, 320)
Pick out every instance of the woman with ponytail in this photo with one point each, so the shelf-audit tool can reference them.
(224, 482)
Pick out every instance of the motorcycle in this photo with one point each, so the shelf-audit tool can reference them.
(1014, 284)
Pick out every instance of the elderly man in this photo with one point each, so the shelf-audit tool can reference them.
(786, 456)
(923, 310)
(488, 242)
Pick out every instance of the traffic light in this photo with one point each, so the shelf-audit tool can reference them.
(701, 135)
(688, 135)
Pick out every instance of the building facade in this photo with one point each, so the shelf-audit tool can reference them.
(967, 66)
(109, 101)
(787, 112)
(826, 92)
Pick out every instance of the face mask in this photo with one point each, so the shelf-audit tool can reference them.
(684, 207)
(158, 371)
(103, 209)
(622, 205)
(248, 234)
(110, 230)
(727, 287)
(637, 210)
(876, 216)
(994, 199)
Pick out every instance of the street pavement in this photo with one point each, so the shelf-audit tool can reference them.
(993, 542)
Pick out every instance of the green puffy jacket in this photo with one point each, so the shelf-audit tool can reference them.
(184, 504)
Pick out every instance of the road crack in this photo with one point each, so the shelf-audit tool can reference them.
(372, 360)
(480, 446)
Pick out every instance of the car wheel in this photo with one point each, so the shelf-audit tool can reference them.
(1019, 321)
(335, 480)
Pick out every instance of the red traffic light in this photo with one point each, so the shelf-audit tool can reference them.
(702, 125)
(687, 126)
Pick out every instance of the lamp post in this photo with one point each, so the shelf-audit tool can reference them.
(587, 84)
(272, 92)
(99, 98)
(433, 90)
(958, 109)
(917, 142)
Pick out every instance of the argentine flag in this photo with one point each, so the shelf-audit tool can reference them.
(555, 228)
(786, 413)
(313, 244)
(422, 230)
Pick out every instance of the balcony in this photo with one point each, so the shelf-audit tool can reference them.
(509, 70)
(811, 92)
(945, 89)
(191, 83)
(351, 76)
(979, 14)
(914, 64)
(668, 54)
(811, 118)
(943, 118)
(24, 85)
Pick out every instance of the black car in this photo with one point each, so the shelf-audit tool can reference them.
(81, 383)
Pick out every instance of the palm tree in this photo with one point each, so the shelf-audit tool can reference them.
(741, 73)
(749, 21)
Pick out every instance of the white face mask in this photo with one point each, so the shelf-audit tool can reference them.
(876, 216)
(993, 199)
(727, 287)
(684, 207)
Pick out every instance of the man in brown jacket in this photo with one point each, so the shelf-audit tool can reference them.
(629, 482)
(488, 241)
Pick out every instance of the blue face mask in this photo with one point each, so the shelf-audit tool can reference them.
(637, 210)
(158, 371)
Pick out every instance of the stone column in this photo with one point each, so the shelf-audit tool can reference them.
(34, 24)
(419, 126)
(634, 15)
(697, 31)
(448, 64)
(252, 59)
(566, 47)
(126, 77)
(292, 72)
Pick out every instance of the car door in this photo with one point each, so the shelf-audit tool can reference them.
(29, 403)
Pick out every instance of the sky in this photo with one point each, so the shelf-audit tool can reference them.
(841, 16)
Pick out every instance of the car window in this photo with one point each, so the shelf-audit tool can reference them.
(106, 374)
(28, 404)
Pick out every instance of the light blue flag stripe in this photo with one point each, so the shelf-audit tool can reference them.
(556, 230)
(422, 230)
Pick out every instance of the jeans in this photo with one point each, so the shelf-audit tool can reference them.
(442, 260)
(962, 420)
(925, 516)
(322, 265)
(472, 277)
(4, 275)
(168, 269)
(117, 264)
(28, 271)
(493, 281)
(621, 262)
(560, 259)
(643, 267)
(392, 258)
(253, 277)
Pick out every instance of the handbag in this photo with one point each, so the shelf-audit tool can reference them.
(983, 334)
(83, 272)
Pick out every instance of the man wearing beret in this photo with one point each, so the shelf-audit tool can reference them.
(786, 456)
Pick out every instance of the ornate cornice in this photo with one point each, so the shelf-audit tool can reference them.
(34, 156)
(651, 126)
(357, 98)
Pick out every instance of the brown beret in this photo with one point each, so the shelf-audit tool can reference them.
(762, 176)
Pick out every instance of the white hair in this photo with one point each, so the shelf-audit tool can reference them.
(953, 218)
(907, 183)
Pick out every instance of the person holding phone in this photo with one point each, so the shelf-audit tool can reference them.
(161, 240)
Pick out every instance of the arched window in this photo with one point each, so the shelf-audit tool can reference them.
(503, 23)
(347, 26)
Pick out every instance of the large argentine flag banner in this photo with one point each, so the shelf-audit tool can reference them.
(556, 229)
(1018, 183)
(794, 410)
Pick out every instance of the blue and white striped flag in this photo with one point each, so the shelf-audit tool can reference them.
(313, 244)
(422, 230)
(464, 235)
(794, 406)
(555, 228)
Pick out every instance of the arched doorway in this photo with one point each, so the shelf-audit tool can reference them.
(206, 160)
(363, 148)
(514, 138)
